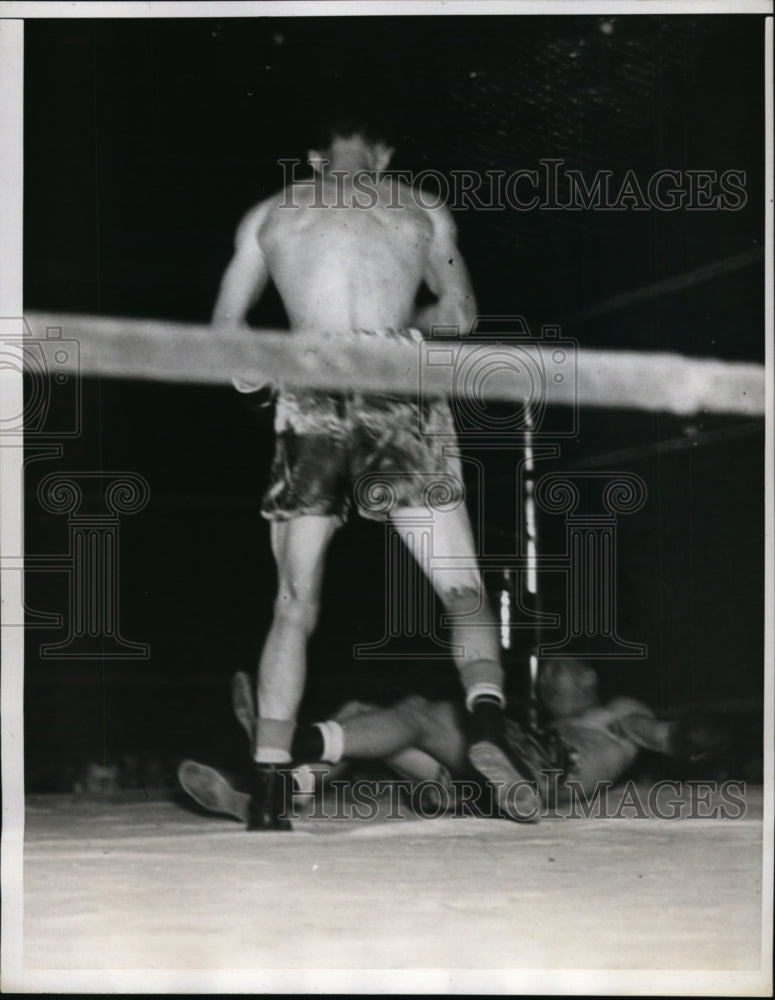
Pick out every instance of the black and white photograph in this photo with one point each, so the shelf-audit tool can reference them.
(386, 497)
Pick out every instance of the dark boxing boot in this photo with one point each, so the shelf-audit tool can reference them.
(270, 798)
(519, 763)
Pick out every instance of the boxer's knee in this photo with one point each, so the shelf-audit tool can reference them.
(462, 595)
(352, 709)
(296, 610)
(431, 722)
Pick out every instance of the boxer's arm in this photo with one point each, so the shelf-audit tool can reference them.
(447, 277)
(632, 720)
(247, 274)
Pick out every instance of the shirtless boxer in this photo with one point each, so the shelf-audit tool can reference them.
(340, 267)
(424, 740)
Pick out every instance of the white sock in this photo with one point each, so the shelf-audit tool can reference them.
(484, 688)
(333, 740)
(271, 755)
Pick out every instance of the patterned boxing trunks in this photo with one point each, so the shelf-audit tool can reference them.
(379, 452)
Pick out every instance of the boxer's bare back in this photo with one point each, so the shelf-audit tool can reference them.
(348, 253)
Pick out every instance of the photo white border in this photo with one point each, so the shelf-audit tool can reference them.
(503, 981)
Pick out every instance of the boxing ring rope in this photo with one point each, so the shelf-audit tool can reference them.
(676, 283)
(195, 354)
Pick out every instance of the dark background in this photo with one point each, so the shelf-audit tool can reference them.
(146, 141)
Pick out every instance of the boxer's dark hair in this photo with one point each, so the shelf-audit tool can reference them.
(347, 122)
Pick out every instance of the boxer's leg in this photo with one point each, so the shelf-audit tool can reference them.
(475, 635)
(407, 470)
(454, 575)
(299, 546)
(386, 733)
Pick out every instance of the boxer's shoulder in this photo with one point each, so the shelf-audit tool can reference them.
(255, 217)
(623, 706)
